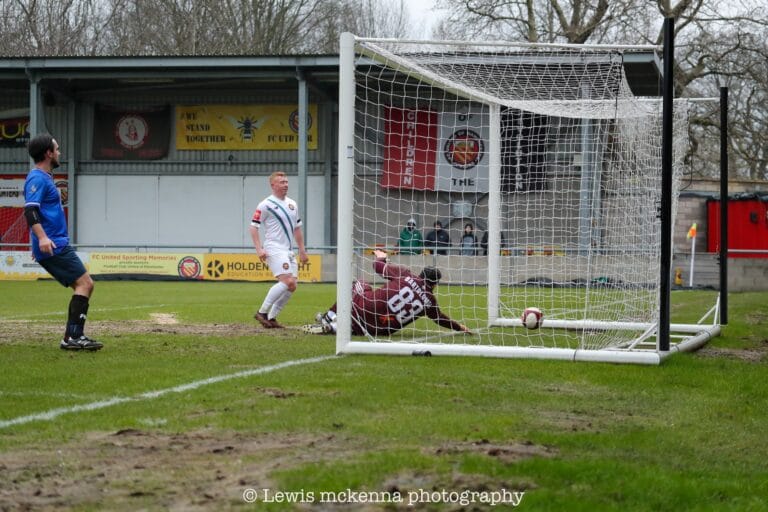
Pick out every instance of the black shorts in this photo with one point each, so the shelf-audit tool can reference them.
(64, 267)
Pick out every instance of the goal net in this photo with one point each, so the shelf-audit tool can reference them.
(545, 172)
(13, 229)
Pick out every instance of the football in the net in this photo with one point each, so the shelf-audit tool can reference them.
(532, 318)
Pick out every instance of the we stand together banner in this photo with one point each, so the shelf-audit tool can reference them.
(242, 127)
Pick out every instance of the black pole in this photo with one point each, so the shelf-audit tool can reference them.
(724, 205)
(665, 285)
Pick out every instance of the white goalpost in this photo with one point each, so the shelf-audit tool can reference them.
(545, 156)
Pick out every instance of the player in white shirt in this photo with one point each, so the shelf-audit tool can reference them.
(278, 217)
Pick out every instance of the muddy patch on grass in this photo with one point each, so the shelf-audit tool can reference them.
(145, 469)
(134, 469)
(752, 355)
(22, 331)
(275, 393)
(507, 453)
(164, 318)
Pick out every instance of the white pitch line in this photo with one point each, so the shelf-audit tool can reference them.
(92, 310)
(47, 394)
(55, 413)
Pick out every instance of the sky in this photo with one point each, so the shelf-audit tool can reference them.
(422, 13)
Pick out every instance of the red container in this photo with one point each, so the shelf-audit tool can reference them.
(747, 226)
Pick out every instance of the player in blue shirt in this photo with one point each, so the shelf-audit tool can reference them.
(50, 240)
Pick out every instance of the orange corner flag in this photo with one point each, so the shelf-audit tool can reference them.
(692, 232)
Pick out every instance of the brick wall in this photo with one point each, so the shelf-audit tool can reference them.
(692, 207)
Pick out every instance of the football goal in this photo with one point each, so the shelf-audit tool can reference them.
(544, 170)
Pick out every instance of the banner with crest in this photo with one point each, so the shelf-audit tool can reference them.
(131, 134)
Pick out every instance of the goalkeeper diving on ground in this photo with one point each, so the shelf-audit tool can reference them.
(383, 311)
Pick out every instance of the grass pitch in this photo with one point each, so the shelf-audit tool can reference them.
(190, 406)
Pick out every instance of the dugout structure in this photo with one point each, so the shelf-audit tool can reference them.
(546, 149)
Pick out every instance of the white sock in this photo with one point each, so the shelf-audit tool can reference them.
(279, 304)
(331, 316)
(273, 295)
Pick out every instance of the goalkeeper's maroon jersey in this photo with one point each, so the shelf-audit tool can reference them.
(396, 304)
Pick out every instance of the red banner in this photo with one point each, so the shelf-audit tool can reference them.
(13, 225)
(410, 147)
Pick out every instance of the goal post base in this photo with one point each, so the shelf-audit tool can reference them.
(637, 356)
(559, 354)
(602, 325)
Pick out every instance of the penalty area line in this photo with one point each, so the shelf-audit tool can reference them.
(149, 395)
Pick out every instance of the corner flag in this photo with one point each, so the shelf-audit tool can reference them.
(692, 232)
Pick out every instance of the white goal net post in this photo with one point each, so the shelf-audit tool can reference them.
(544, 156)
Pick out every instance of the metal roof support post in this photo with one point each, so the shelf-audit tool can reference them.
(302, 156)
(35, 104)
(330, 151)
(72, 153)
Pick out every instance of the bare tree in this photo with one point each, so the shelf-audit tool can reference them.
(718, 42)
(571, 21)
(377, 18)
(265, 27)
(218, 27)
(745, 73)
(193, 27)
(722, 44)
(368, 18)
(11, 29)
(53, 27)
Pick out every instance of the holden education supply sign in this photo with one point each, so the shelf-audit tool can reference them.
(248, 267)
(209, 267)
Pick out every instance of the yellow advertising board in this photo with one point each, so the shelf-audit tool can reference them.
(185, 266)
(20, 266)
(248, 267)
(242, 127)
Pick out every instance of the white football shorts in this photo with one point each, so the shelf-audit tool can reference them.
(283, 262)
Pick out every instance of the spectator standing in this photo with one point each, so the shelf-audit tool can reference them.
(438, 240)
(469, 240)
(410, 241)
